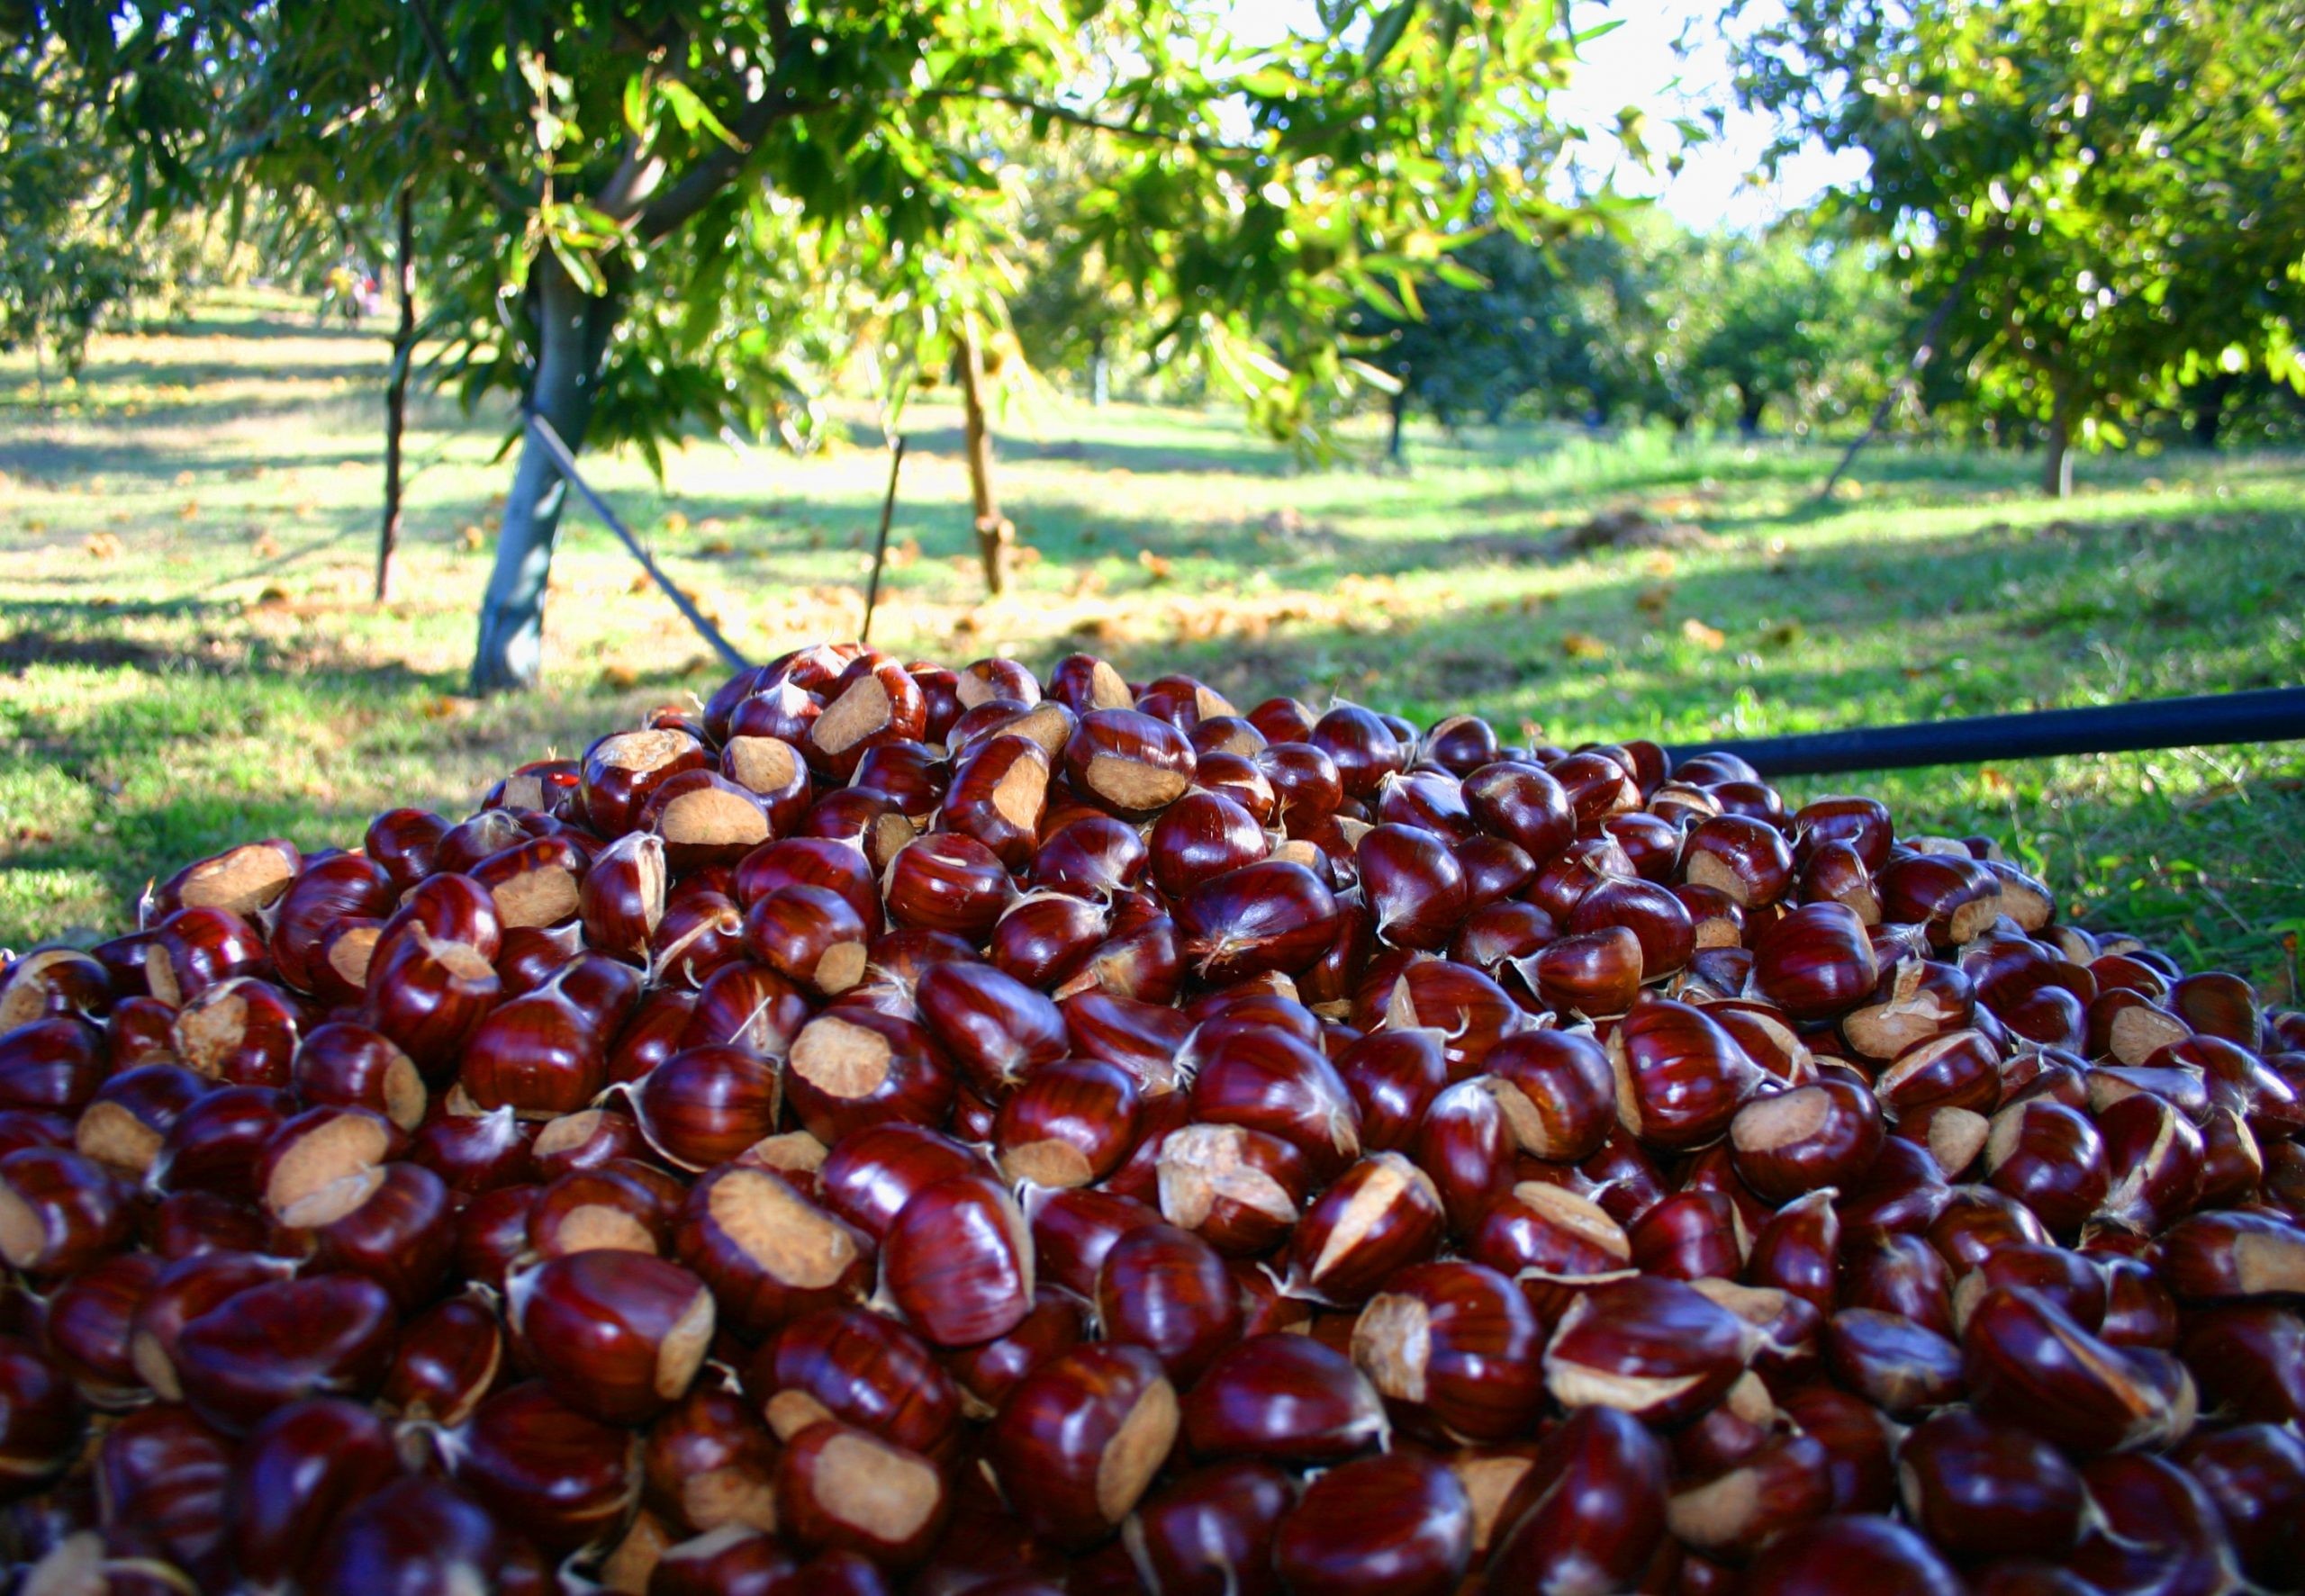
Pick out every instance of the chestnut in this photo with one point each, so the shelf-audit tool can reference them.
(278, 1342)
(297, 1474)
(566, 1478)
(1285, 1398)
(1655, 1347)
(1080, 1440)
(1981, 1490)
(1589, 1512)
(615, 1334)
(1844, 1551)
(1826, 1133)
(842, 1489)
(1457, 1341)
(957, 1261)
(1400, 1523)
(768, 1253)
(863, 1369)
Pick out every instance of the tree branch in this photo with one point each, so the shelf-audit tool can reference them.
(1081, 119)
(509, 194)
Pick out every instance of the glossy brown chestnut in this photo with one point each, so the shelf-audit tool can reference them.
(957, 1261)
(767, 1252)
(1288, 1399)
(616, 1334)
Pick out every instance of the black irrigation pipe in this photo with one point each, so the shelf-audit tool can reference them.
(566, 463)
(2267, 715)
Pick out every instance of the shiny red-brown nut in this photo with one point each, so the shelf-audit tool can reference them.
(615, 1207)
(401, 1234)
(297, 1472)
(1784, 1482)
(2249, 1359)
(2154, 1527)
(845, 1493)
(1693, 1234)
(856, 1068)
(186, 1289)
(1168, 1291)
(165, 1472)
(704, 1106)
(1381, 1215)
(1565, 1102)
(1393, 1078)
(869, 1175)
(1073, 1122)
(871, 703)
(1459, 1342)
(1834, 1553)
(620, 772)
(618, 1335)
(2256, 1475)
(862, 1368)
(1212, 1531)
(88, 1323)
(768, 1253)
(957, 1261)
(1898, 1274)
(2227, 1256)
(2051, 1160)
(1286, 1398)
(1981, 1489)
(240, 1032)
(1589, 1513)
(2026, 1360)
(126, 1124)
(1078, 1440)
(59, 1211)
(996, 1029)
(564, 1477)
(1680, 1076)
(1915, 1000)
(1815, 963)
(1590, 974)
(708, 1463)
(1127, 763)
(1273, 915)
(1655, 1347)
(2154, 1156)
(446, 1359)
(1242, 1190)
(1784, 1144)
(279, 1341)
(40, 1419)
(1899, 1367)
(1398, 1523)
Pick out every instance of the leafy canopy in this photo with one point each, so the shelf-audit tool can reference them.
(2117, 181)
(753, 183)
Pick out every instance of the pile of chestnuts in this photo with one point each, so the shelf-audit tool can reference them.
(893, 1129)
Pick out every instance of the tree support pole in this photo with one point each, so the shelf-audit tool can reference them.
(1923, 353)
(2208, 720)
(540, 431)
(396, 394)
(881, 544)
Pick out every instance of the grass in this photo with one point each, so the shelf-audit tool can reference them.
(188, 654)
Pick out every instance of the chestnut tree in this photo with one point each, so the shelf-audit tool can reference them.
(649, 215)
(2107, 192)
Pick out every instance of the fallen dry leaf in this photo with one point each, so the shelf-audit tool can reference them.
(1582, 646)
(101, 546)
(1703, 635)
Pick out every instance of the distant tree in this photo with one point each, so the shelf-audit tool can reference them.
(649, 216)
(68, 263)
(2120, 182)
(1794, 320)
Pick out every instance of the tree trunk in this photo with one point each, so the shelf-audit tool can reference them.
(1396, 408)
(396, 394)
(2056, 463)
(1100, 373)
(572, 334)
(2208, 408)
(1751, 403)
(996, 535)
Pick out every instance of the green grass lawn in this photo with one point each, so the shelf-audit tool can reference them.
(189, 655)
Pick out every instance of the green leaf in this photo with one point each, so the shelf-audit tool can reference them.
(1385, 33)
